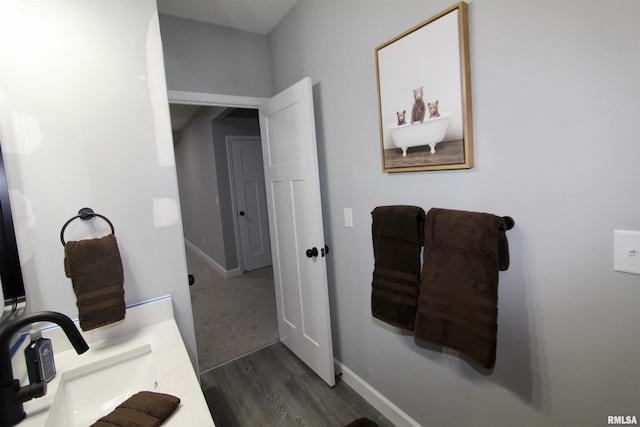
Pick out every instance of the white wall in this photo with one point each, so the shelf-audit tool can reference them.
(555, 106)
(84, 121)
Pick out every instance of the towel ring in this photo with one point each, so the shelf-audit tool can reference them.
(84, 214)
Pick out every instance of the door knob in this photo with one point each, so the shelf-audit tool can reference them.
(241, 213)
(313, 252)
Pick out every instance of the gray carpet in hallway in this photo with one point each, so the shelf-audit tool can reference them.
(232, 317)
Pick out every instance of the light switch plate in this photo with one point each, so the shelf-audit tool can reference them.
(348, 217)
(626, 251)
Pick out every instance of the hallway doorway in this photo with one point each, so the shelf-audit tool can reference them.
(287, 125)
(234, 312)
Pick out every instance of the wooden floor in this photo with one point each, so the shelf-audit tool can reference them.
(273, 388)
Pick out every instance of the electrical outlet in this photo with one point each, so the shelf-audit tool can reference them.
(626, 251)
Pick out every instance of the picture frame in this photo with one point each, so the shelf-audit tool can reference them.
(423, 77)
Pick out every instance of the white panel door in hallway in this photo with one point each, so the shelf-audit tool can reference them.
(250, 198)
(287, 126)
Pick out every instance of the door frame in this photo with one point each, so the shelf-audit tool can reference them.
(214, 99)
(206, 99)
(211, 99)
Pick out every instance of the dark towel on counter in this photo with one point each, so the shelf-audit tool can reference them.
(95, 269)
(458, 304)
(143, 409)
(397, 233)
(362, 422)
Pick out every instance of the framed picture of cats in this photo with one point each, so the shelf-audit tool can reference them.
(424, 95)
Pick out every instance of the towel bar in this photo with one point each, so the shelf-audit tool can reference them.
(84, 214)
(508, 223)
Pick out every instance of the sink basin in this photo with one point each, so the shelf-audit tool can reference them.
(91, 391)
(144, 352)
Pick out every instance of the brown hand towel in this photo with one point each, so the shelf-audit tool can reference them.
(458, 304)
(397, 233)
(143, 409)
(95, 269)
(362, 422)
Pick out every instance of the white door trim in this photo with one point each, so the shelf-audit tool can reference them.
(214, 99)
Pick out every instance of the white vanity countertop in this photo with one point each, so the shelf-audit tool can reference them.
(173, 370)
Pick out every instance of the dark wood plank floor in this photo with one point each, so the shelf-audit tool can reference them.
(273, 388)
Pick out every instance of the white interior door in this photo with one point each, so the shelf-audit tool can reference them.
(251, 202)
(287, 126)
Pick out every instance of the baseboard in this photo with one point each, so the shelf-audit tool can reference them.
(220, 269)
(396, 415)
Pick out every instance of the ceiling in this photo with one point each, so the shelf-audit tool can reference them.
(257, 16)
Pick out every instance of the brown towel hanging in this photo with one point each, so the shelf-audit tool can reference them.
(458, 303)
(95, 269)
(397, 233)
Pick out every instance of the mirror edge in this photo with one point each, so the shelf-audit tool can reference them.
(10, 271)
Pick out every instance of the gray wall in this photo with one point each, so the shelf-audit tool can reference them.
(198, 183)
(555, 106)
(202, 57)
(222, 129)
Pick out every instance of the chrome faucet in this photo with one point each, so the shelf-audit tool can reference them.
(11, 394)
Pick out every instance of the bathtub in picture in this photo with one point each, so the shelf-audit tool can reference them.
(430, 132)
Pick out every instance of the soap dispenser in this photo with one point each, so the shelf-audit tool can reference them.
(39, 357)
